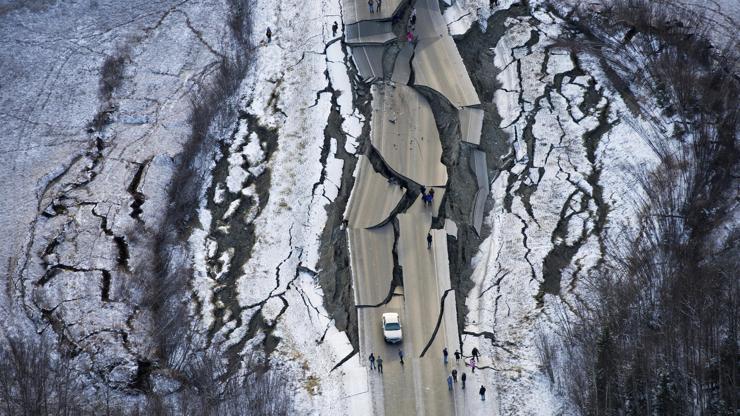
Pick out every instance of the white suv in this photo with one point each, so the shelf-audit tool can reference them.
(391, 327)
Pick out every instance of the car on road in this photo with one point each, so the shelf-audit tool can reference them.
(392, 327)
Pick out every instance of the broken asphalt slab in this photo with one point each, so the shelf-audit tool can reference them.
(373, 199)
(406, 136)
(368, 33)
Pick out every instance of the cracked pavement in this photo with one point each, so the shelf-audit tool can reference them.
(392, 268)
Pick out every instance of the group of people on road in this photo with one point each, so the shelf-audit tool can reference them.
(376, 363)
(452, 377)
(372, 9)
(427, 198)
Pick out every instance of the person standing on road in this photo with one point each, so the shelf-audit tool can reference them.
(449, 382)
(463, 377)
(372, 361)
(429, 240)
(370, 5)
(482, 393)
(431, 196)
(457, 356)
(445, 354)
(476, 354)
(400, 355)
(268, 33)
(377, 9)
(380, 365)
(454, 375)
(334, 29)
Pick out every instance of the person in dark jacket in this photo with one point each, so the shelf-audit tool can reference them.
(482, 393)
(379, 362)
(429, 240)
(268, 33)
(372, 361)
(463, 377)
(334, 29)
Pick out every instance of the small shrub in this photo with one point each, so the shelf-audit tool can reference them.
(111, 74)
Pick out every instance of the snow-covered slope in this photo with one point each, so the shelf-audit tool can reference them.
(97, 107)
(96, 103)
(564, 183)
(94, 107)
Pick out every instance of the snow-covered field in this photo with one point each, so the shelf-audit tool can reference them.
(86, 165)
(87, 161)
(573, 151)
(77, 190)
(289, 91)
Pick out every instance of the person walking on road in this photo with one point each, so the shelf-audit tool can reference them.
(445, 354)
(482, 393)
(268, 33)
(380, 365)
(449, 382)
(476, 354)
(430, 196)
(400, 355)
(429, 240)
(372, 361)
(463, 377)
(454, 375)
(377, 9)
(472, 365)
(457, 356)
(334, 29)
(370, 6)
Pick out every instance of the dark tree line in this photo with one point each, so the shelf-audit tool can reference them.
(37, 379)
(660, 337)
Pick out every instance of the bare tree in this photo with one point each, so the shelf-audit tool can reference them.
(661, 336)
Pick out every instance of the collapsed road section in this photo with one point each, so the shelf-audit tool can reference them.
(398, 250)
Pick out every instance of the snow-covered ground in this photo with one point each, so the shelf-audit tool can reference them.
(574, 146)
(289, 91)
(81, 156)
(74, 187)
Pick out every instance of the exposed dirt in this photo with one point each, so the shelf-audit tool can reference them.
(474, 47)
(240, 237)
(334, 274)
